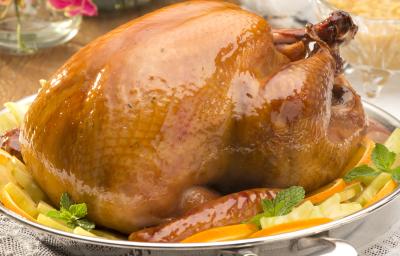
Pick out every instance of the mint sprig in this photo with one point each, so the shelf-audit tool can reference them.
(281, 205)
(73, 214)
(360, 171)
(396, 174)
(65, 201)
(382, 159)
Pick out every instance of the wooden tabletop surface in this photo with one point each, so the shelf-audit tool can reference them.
(20, 75)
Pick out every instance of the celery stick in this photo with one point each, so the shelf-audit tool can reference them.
(83, 232)
(393, 142)
(351, 191)
(49, 222)
(373, 188)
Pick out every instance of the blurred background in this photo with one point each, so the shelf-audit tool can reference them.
(38, 36)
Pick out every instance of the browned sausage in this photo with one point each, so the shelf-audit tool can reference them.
(9, 142)
(227, 210)
(195, 196)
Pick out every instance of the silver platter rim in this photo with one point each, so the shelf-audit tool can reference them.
(372, 110)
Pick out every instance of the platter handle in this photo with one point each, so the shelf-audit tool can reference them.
(336, 247)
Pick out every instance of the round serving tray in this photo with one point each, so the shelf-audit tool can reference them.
(351, 228)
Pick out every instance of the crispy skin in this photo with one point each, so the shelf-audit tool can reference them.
(195, 94)
(144, 112)
(294, 135)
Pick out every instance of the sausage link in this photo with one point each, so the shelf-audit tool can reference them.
(226, 210)
(9, 142)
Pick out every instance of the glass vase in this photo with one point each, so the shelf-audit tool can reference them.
(28, 25)
(112, 5)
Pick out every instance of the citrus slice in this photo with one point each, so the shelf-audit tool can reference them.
(290, 226)
(17, 200)
(15, 171)
(220, 234)
(389, 187)
(4, 177)
(9, 203)
(327, 191)
(362, 156)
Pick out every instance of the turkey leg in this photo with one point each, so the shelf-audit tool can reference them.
(338, 28)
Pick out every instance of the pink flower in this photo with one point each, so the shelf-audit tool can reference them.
(76, 7)
(5, 2)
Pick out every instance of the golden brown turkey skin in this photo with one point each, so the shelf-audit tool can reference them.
(191, 95)
(295, 131)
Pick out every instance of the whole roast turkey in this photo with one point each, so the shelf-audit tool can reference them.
(193, 101)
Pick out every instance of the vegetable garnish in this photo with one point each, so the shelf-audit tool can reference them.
(382, 159)
(224, 233)
(360, 171)
(389, 187)
(327, 191)
(73, 214)
(362, 156)
(290, 226)
(281, 205)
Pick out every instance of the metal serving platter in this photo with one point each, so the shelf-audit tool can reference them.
(318, 239)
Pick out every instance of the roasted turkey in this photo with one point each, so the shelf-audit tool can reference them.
(200, 95)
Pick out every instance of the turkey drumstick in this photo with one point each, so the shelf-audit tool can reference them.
(338, 28)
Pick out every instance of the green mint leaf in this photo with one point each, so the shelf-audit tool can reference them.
(382, 157)
(65, 214)
(282, 204)
(54, 214)
(268, 206)
(72, 224)
(72, 213)
(268, 211)
(287, 199)
(360, 171)
(396, 174)
(58, 215)
(85, 224)
(279, 208)
(66, 201)
(78, 210)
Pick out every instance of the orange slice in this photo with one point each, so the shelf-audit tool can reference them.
(362, 156)
(9, 203)
(388, 188)
(327, 191)
(290, 226)
(226, 233)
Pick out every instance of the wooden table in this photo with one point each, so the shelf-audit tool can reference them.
(20, 75)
